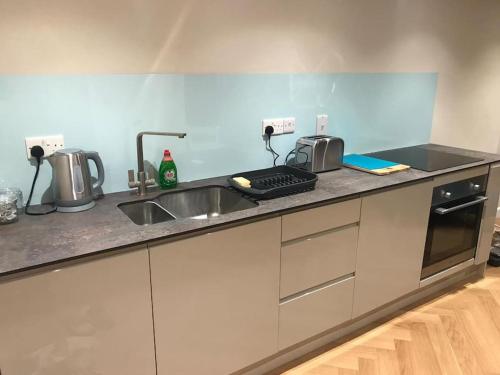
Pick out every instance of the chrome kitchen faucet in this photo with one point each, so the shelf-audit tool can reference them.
(142, 181)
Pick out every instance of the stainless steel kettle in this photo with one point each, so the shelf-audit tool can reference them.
(71, 180)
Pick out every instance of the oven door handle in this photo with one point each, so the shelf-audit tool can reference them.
(444, 211)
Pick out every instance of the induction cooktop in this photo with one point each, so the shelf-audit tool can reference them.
(424, 159)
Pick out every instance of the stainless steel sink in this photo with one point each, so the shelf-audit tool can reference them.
(197, 203)
(145, 212)
(205, 202)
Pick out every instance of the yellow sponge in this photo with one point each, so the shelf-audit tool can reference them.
(242, 181)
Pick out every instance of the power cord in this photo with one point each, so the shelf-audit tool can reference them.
(37, 152)
(299, 151)
(292, 152)
(296, 152)
(269, 132)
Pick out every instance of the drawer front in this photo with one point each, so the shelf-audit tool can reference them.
(317, 259)
(315, 312)
(314, 220)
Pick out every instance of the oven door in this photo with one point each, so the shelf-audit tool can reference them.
(452, 234)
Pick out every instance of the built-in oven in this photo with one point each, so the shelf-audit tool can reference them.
(454, 224)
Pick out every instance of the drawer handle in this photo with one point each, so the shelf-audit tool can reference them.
(316, 288)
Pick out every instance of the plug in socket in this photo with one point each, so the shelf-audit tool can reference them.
(277, 125)
(50, 144)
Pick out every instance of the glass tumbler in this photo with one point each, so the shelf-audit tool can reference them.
(9, 200)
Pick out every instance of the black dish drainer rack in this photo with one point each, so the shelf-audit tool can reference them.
(275, 182)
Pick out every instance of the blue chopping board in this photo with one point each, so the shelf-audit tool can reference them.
(373, 165)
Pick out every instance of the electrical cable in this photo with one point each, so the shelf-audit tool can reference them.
(269, 132)
(296, 152)
(37, 152)
(288, 155)
(299, 151)
(275, 154)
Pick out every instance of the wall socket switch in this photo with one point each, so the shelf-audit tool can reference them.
(50, 144)
(321, 124)
(276, 123)
(288, 125)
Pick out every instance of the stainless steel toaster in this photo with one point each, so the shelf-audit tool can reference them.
(319, 153)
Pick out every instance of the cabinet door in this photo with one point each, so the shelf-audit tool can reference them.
(215, 299)
(392, 233)
(90, 318)
(489, 215)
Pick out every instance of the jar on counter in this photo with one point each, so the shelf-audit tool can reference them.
(11, 201)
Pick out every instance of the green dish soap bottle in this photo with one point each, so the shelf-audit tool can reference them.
(168, 172)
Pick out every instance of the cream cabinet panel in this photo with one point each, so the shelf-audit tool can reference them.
(315, 312)
(89, 318)
(489, 215)
(215, 299)
(317, 259)
(392, 234)
(314, 220)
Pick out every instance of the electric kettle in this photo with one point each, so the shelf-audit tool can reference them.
(71, 180)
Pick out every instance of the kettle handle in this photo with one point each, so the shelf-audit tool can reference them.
(92, 155)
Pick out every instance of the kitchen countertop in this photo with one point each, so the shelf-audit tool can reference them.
(35, 241)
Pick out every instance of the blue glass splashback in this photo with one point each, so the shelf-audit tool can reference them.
(220, 113)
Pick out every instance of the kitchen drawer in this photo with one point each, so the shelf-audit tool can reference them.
(317, 259)
(315, 312)
(314, 220)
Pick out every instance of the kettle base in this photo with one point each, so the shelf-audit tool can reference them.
(69, 209)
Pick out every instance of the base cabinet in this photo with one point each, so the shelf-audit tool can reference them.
(392, 234)
(90, 318)
(215, 299)
(489, 215)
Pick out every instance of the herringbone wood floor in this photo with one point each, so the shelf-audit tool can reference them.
(458, 333)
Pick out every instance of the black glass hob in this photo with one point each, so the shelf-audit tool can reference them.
(424, 159)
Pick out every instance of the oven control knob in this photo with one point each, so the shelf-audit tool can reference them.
(445, 194)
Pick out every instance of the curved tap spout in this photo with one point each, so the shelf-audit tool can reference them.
(142, 182)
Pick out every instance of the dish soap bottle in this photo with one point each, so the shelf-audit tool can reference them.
(168, 172)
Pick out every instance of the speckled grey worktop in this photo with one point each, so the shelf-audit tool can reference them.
(35, 241)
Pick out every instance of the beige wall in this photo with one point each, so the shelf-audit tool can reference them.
(460, 39)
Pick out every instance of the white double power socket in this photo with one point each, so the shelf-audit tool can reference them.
(280, 125)
(50, 144)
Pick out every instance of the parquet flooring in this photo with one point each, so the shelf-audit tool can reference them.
(456, 334)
